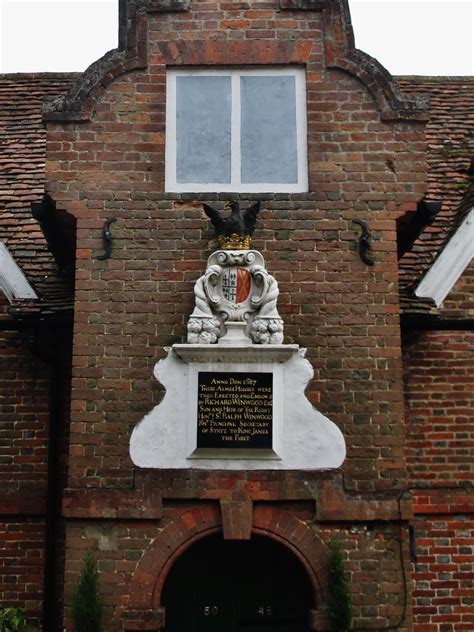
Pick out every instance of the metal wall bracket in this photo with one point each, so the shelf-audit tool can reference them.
(365, 247)
(107, 239)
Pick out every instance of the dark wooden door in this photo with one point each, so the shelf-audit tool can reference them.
(256, 586)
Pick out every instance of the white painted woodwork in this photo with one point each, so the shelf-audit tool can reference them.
(235, 185)
(13, 282)
(450, 265)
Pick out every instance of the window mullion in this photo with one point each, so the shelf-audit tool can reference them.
(171, 152)
(301, 130)
(235, 133)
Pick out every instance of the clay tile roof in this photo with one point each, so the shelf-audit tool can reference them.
(450, 138)
(22, 165)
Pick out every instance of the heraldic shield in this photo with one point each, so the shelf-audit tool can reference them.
(236, 285)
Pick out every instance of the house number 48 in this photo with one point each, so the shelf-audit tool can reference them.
(265, 611)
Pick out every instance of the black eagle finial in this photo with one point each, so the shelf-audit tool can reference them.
(236, 230)
(216, 219)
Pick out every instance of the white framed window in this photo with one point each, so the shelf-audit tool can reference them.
(241, 130)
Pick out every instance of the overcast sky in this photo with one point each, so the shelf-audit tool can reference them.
(423, 37)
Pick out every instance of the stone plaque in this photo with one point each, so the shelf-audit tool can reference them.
(235, 410)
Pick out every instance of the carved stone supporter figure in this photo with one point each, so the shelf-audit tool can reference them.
(267, 326)
(203, 326)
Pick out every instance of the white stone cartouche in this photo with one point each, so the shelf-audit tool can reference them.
(235, 288)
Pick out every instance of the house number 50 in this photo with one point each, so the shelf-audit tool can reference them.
(210, 610)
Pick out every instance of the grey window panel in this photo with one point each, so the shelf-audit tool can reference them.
(203, 129)
(268, 130)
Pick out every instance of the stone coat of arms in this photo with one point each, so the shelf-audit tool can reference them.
(236, 292)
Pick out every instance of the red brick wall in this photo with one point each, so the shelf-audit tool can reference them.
(23, 466)
(24, 414)
(371, 553)
(21, 564)
(443, 574)
(439, 368)
(377, 567)
(131, 306)
(460, 301)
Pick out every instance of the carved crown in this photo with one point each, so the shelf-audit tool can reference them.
(234, 242)
(234, 232)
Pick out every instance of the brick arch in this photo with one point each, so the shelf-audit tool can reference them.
(198, 523)
(161, 554)
(297, 536)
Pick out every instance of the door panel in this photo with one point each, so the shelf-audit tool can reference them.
(221, 586)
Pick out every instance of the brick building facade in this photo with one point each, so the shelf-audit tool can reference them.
(391, 369)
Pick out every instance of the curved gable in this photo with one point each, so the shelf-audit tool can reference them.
(137, 30)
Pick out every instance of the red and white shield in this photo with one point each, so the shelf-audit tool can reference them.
(236, 285)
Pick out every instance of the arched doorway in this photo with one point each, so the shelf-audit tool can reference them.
(237, 586)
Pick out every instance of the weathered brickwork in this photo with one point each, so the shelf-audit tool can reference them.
(22, 564)
(443, 574)
(23, 465)
(460, 301)
(24, 414)
(365, 161)
(377, 561)
(440, 399)
(130, 307)
(439, 369)
(25, 373)
(409, 441)
(371, 551)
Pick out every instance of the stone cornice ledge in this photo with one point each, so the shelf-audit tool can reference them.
(122, 504)
(165, 6)
(303, 5)
(235, 353)
(145, 620)
(21, 502)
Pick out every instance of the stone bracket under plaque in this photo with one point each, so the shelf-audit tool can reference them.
(300, 437)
